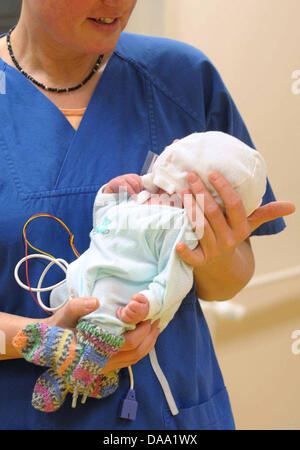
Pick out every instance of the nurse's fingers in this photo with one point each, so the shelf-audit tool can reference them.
(235, 210)
(138, 343)
(135, 338)
(270, 211)
(196, 215)
(68, 315)
(212, 211)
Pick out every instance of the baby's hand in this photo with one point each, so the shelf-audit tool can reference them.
(131, 182)
(136, 310)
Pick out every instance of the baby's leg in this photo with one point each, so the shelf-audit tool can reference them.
(136, 310)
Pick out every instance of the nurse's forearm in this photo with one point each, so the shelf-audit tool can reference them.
(226, 277)
(10, 325)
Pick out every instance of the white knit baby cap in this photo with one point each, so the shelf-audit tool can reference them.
(242, 166)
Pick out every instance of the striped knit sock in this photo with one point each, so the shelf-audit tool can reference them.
(103, 385)
(109, 384)
(99, 346)
(76, 361)
(49, 346)
(49, 392)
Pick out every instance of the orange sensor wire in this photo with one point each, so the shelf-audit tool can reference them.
(71, 242)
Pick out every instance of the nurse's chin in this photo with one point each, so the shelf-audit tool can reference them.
(98, 43)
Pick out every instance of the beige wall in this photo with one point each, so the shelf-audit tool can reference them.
(255, 46)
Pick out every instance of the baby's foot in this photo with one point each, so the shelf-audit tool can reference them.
(49, 392)
(136, 310)
(43, 344)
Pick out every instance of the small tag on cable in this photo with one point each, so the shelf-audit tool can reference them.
(149, 161)
(129, 406)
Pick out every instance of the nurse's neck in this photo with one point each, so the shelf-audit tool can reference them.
(46, 59)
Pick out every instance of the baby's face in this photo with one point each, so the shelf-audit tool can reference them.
(163, 198)
(161, 191)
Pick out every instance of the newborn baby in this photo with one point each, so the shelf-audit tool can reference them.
(131, 264)
(132, 230)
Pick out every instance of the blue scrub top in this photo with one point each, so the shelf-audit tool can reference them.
(152, 91)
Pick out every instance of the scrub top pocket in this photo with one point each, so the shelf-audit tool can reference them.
(210, 414)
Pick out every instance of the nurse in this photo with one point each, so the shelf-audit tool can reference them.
(84, 103)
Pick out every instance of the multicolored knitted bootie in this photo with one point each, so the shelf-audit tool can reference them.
(53, 347)
(99, 346)
(75, 361)
(48, 346)
(49, 392)
(103, 386)
(106, 386)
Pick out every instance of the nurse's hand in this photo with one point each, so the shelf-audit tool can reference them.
(222, 233)
(68, 315)
(138, 343)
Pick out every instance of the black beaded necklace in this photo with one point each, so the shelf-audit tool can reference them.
(41, 85)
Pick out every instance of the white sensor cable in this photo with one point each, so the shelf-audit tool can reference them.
(60, 262)
(64, 266)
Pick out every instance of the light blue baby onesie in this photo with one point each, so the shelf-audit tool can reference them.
(132, 250)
